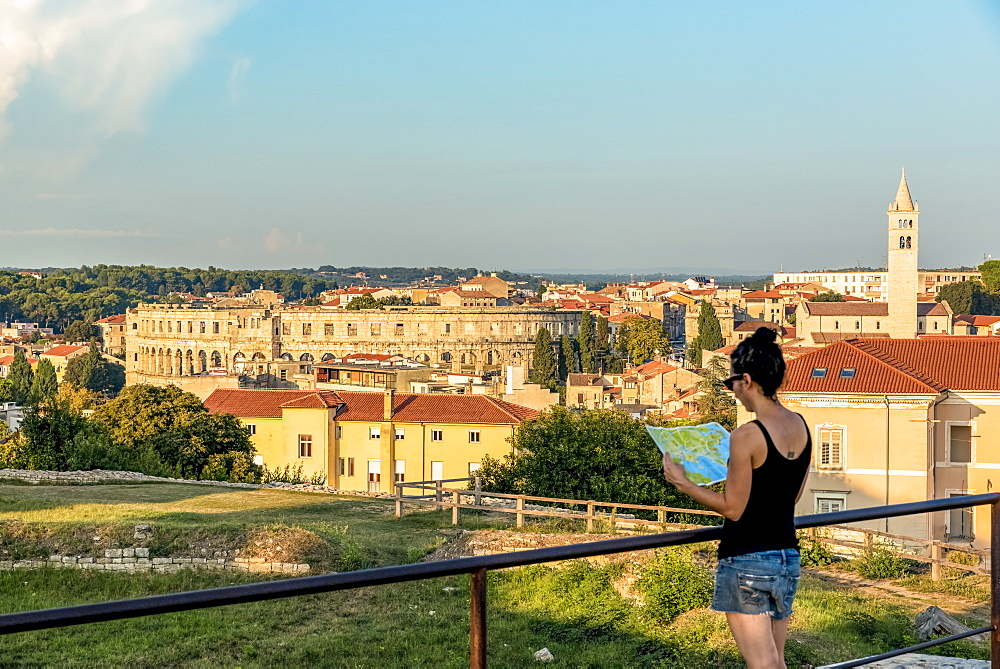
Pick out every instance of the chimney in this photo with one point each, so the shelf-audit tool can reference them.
(390, 395)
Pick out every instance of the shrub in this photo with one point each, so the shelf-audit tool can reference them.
(878, 561)
(672, 583)
(961, 557)
(287, 475)
(814, 553)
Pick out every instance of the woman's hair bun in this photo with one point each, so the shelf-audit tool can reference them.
(765, 335)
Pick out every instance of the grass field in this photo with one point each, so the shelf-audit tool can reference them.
(581, 620)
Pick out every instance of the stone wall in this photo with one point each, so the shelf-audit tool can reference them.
(137, 560)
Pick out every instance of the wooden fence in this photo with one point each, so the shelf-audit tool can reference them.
(930, 551)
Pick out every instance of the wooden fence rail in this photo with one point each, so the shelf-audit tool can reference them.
(936, 552)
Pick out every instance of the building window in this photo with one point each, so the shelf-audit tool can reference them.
(437, 435)
(473, 468)
(328, 329)
(848, 372)
(447, 328)
(374, 432)
(819, 372)
(305, 446)
(374, 475)
(830, 502)
(399, 329)
(307, 328)
(337, 431)
(399, 471)
(473, 436)
(376, 329)
(959, 442)
(252, 428)
(830, 454)
(352, 329)
(400, 434)
(215, 328)
(350, 466)
(284, 375)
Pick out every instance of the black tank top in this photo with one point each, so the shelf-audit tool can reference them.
(767, 523)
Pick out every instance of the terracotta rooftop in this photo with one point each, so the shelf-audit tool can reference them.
(267, 403)
(822, 338)
(369, 406)
(7, 360)
(63, 350)
(751, 326)
(846, 308)
(978, 321)
(117, 318)
(899, 366)
(426, 408)
(575, 379)
(761, 294)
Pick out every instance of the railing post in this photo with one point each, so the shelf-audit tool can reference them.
(995, 584)
(590, 516)
(477, 620)
(519, 506)
(937, 561)
(479, 491)
(438, 495)
(661, 516)
(399, 500)
(454, 507)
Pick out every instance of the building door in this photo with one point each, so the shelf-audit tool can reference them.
(374, 475)
(437, 471)
(959, 521)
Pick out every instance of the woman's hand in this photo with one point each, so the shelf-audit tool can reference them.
(674, 473)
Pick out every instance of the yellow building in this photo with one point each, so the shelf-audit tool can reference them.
(901, 420)
(369, 440)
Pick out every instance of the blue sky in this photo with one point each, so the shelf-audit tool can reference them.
(748, 136)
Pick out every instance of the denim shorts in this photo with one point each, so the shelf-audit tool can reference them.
(757, 583)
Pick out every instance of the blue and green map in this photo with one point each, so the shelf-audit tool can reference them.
(702, 449)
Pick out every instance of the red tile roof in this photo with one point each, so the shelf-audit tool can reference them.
(900, 366)
(847, 308)
(369, 406)
(761, 294)
(7, 360)
(434, 408)
(267, 403)
(830, 337)
(63, 350)
(117, 318)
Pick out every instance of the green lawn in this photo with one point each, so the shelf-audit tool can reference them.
(584, 622)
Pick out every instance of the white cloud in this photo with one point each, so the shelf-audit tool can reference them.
(277, 241)
(238, 72)
(107, 58)
(77, 232)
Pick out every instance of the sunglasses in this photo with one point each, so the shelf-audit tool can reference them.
(728, 383)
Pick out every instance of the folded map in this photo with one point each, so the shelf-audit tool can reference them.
(702, 449)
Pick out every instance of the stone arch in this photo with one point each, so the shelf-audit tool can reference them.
(258, 357)
(445, 356)
(902, 242)
(908, 241)
(179, 362)
(168, 362)
(422, 357)
(306, 357)
(216, 359)
(287, 357)
(239, 362)
(202, 362)
(327, 356)
(189, 362)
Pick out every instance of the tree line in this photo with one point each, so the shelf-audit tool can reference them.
(87, 294)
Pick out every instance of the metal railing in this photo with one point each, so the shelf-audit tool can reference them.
(478, 566)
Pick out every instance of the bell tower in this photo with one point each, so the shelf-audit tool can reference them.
(902, 270)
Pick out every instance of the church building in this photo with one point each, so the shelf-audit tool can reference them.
(901, 316)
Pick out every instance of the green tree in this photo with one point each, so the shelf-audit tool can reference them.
(640, 339)
(969, 297)
(178, 428)
(828, 296)
(93, 372)
(709, 333)
(567, 357)
(591, 454)
(990, 271)
(79, 331)
(20, 377)
(541, 291)
(365, 301)
(715, 405)
(585, 343)
(47, 438)
(44, 385)
(544, 365)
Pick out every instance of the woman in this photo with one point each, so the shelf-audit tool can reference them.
(768, 460)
